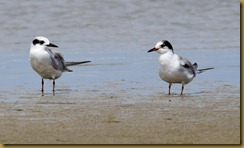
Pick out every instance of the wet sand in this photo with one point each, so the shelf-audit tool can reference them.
(110, 118)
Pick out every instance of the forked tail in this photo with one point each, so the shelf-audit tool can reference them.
(75, 63)
(203, 69)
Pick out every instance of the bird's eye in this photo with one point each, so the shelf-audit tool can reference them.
(35, 41)
(42, 42)
(162, 45)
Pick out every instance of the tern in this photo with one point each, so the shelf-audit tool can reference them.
(174, 68)
(47, 62)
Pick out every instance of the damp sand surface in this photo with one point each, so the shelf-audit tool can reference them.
(119, 98)
(123, 118)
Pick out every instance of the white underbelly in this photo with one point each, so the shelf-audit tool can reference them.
(174, 76)
(43, 67)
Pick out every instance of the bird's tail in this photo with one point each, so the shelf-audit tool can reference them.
(75, 63)
(203, 69)
(195, 66)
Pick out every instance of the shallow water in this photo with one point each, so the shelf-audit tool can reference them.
(115, 36)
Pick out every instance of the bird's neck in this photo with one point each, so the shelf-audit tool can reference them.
(166, 57)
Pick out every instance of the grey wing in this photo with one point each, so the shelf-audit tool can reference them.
(188, 66)
(57, 59)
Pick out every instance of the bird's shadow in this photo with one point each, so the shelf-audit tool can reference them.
(57, 92)
(185, 95)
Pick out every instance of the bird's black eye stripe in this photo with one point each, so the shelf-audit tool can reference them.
(35, 41)
(42, 42)
(162, 45)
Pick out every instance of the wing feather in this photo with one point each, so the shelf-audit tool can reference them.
(57, 59)
(186, 64)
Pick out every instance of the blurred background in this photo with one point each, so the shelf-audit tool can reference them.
(115, 36)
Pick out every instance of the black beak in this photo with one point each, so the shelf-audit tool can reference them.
(153, 49)
(52, 45)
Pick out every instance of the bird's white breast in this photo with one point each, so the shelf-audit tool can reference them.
(169, 69)
(41, 63)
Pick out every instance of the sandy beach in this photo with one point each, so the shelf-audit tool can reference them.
(109, 119)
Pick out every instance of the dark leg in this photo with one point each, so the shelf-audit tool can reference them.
(42, 87)
(182, 89)
(53, 87)
(169, 87)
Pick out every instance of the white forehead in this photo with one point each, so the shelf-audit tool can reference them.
(158, 45)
